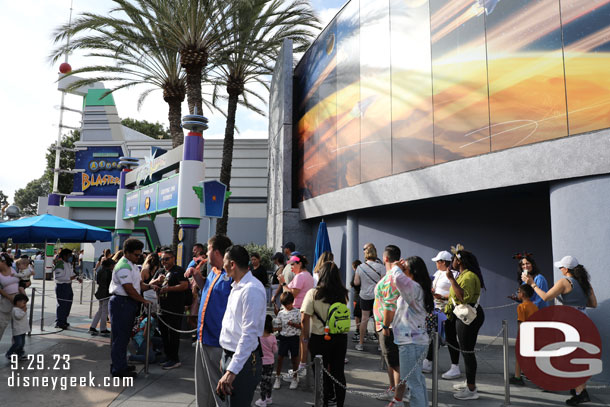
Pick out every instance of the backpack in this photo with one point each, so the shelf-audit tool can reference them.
(338, 319)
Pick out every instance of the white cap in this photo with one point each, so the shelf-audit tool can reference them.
(568, 262)
(444, 255)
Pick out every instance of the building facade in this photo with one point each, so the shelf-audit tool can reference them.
(427, 123)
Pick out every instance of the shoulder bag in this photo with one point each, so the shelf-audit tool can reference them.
(465, 312)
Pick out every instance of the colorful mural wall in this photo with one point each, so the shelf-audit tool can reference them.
(390, 87)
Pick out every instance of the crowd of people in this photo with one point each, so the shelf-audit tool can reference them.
(243, 316)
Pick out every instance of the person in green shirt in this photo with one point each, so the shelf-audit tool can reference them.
(465, 289)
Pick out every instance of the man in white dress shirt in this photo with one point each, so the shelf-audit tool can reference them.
(243, 323)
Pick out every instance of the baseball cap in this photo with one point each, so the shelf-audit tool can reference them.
(290, 246)
(278, 256)
(294, 259)
(443, 255)
(568, 262)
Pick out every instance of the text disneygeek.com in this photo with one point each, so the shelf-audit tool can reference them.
(66, 382)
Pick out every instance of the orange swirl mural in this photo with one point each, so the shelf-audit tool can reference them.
(392, 87)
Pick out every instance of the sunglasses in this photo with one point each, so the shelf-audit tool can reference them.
(164, 259)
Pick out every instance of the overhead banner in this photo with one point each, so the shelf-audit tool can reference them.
(155, 198)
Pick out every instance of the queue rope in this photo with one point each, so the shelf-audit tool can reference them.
(377, 395)
(479, 349)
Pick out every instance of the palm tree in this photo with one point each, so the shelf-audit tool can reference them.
(253, 33)
(137, 54)
(134, 47)
(191, 28)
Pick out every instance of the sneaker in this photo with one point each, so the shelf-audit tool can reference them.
(356, 337)
(583, 397)
(261, 402)
(388, 395)
(426, 366)
(269, 401)
(170, 364)
(359, 347)
(460, 386)
(277, 383)
(407, 397)
(302, 372)
(466, 394)
(452, 373)
(345, 361)
(93, 331)
(23, 357)
(294, 383)
(517, 381)
(105, 332)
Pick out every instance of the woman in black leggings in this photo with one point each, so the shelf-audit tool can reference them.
(466, 289)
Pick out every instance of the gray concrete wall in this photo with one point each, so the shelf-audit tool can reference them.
(568, 157)
(494, 225)
(283, 221)
(579, 220)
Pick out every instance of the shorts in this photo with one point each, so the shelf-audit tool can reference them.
(288, 344)
(357, 309)
(366, 305)
(389, 350)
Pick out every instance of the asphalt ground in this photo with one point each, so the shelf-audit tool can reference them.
(89, 362)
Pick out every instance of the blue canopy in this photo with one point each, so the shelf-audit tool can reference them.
(322, 243)
(38, 229)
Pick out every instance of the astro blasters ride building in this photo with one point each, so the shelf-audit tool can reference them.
(426, 123)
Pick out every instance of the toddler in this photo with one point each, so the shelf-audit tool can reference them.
(269, 345)
(289, 326)
(524, 311)
(21, 326)
(24, 272)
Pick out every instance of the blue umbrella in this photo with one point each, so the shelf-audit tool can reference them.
(322, 243)
(42, 228)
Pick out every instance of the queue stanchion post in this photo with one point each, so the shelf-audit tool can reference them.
(435, 369)
(505, 354)
(147, 330)
(91, 299)
(32, 310)
(319, 381)
(81, 291)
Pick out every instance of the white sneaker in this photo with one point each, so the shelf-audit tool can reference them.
(261, 403)
(466, 394)
(388, 395)
(302, 373)
(269, 401)
(426, 366)
(407, 397)
(460, 386)
(277, 383)
(452, 373)
(294, 383)
(359, 347)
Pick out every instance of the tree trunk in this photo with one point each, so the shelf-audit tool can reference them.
(227, 157)
(193, 88)
(175, 120)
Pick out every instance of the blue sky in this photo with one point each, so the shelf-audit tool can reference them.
(29, 98)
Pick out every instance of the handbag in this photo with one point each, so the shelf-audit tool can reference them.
(465, 312)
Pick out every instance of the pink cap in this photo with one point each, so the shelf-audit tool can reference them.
(294, 259)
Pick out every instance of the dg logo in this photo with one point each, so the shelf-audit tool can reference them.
(559, 348)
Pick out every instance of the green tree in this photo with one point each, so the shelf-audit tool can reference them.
(133, 46)
(66, 162)
(27, 198)
(3, 198)
(253, 33)
(191, 27)
(154, 130)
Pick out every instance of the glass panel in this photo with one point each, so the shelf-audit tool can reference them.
(526, 82)
(325, 151)
(375, 88)
(586, 36)
(459, 75)
(412, 128)
(348, 95)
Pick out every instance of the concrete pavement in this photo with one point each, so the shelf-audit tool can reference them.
(90, 356)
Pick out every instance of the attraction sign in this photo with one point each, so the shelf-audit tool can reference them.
(101, 171)
(161, 196)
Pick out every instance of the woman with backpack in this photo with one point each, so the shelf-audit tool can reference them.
(325, 315)
(413, 282)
